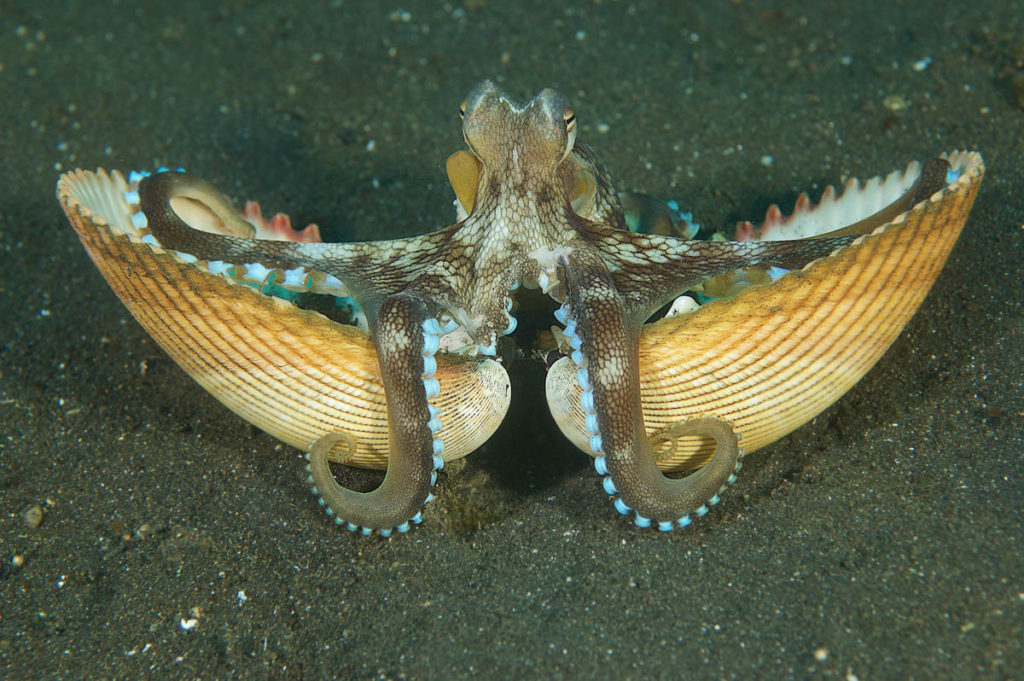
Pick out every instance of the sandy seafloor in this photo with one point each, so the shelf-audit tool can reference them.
(881, 541)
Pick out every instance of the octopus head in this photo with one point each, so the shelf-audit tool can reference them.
(509, 136)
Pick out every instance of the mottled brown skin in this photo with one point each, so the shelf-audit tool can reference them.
(403, 492)
(522, 230)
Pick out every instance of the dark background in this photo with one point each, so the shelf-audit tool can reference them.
(883, 540)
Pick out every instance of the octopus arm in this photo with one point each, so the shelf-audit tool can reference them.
(371, 270)
(651, 270)
(406, 337)
(607, 357)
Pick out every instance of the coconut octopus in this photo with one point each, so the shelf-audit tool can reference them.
(539, 211)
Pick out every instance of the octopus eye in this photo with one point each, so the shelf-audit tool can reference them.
(570, 130)
(462, 109)
(570, 121)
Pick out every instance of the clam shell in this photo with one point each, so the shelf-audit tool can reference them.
(291, 372)
(776, 355)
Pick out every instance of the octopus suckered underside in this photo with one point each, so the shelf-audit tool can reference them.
(529, 224)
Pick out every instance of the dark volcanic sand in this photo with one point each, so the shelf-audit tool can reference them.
(881, 541)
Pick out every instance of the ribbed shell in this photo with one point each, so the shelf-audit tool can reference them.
(293, 373)
(775, 356)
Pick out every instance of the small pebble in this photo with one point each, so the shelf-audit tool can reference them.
(821, 654)
(33, 516)
(921, 64)
(895, 103)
